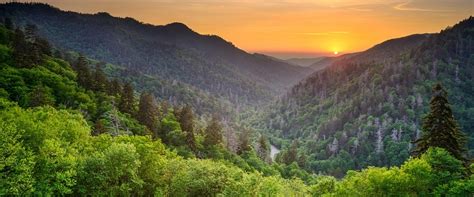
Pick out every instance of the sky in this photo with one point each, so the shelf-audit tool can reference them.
(291, 28)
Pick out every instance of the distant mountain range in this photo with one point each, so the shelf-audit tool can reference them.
(305, 62)
(170, 53)
(366, 108)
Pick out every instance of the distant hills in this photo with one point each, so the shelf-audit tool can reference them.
(305, 62)
(366, 108)
(169, 53)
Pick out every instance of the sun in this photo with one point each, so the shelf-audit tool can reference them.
(336, 52)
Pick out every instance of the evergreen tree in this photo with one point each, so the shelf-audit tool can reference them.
(440, 129)
(213, 135)
(302, 161)
(43, 46)
(186, 120)
(244, 141)
(292, 154)
(148, 112)
(263, 148)
(83, 72)
(100, 82)
(114, 87)
(164, 107)
(24, 55)
(127, 99)
(31, 32)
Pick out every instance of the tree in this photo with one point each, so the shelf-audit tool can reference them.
(186, 120)
(115, 88)
(31, 32)
(99, 127)
(83, 72)
(263, 148)
(244, 141)
(148, 112)
(16, 162)
(42, 46)
(127, 99)
(24, 55)
(213, 135)
(164, 107)
(440, 129)
(292, 154)
(40, 96)
(302, 161)
(100, 82)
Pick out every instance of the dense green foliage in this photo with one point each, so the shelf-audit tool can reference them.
(170, 55)
(47, 151)
(68, 126)
(440, 129)
(367, 109)
(47, 107)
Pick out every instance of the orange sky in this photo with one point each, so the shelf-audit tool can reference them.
(291, 27)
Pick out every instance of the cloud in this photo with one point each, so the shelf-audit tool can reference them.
(404, 7)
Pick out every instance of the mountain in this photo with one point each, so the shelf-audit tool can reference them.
(173, 52)
(66, 130)
(69, 129)
(305, 62)
(327, 61)
(366, 108)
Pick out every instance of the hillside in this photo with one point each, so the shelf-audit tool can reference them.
(305, 62)
(367, 109)
(72, 125)
(171, 52)
(68, 129)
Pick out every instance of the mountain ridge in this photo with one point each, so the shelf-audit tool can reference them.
(373, 101)
(204, 61)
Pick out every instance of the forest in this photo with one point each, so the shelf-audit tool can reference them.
(387, 121)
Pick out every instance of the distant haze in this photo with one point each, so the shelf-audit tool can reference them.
(280, 26)
(288, 54)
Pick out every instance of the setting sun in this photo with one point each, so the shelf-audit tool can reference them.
(336, 52)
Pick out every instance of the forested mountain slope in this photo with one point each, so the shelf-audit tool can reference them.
(367, 109)
(172, 52)
(68, 129)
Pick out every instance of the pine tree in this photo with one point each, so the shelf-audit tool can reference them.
(213, 135)
(164, 107)
(263, 148)
(127, 99)
(292, 154)
(302, 161)
(100, 82)
(114, 88)
(440, 129)
(148, 112)
(83, 72)
(42, 46)
(244, 141)
(186, 120)
(23, 53)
